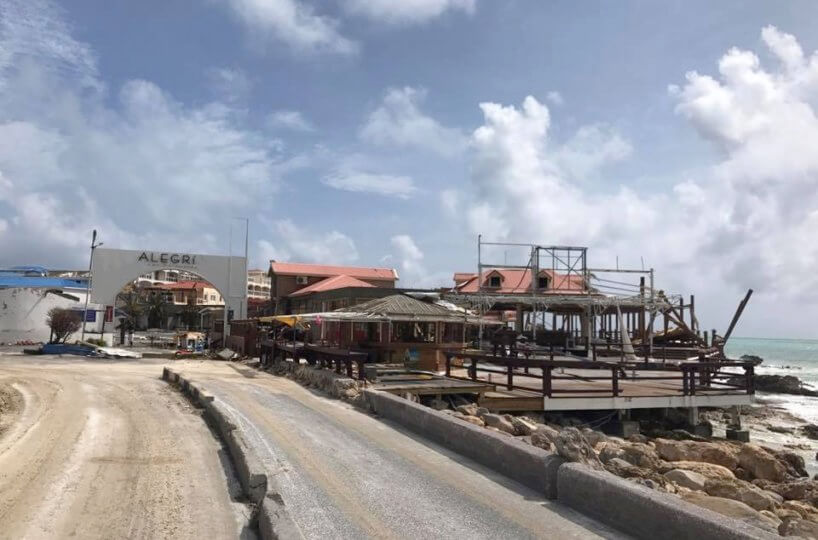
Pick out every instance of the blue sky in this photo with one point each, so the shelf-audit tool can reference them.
(378, 132)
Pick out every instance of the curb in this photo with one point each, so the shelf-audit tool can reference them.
(274, 521)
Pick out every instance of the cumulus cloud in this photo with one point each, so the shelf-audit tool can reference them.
(410, 257)
(141, 167)
(401, 187)
(292, 22)
(292, 120)
(398, 121)
(230, 84)
(294, 243)
(407, 11)
(748, 221)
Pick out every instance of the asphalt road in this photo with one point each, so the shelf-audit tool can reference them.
(346, 474)
(95, 448)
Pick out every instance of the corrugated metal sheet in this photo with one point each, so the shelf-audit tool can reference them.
(303, 269)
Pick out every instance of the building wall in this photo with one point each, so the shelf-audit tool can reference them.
(23, 313)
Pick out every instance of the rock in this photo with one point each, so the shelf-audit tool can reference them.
(498, 422)
(753, 359)
(804, 510)
(638, 437)
(761, 464)
(786, 513)
(619, 463)
(734, 509)
(717, 453)
(541, 440)
(708, 470)
(640, 455)
(689, 479)
(523, 426)
(794, 462)
(780, 429)
(572, 446)
(593, 437)
(351, 393)
(781, 384)
(481, 411)
(609, 450)
(469, 409)
(494, 429)
(799, 527)
(811, 431)
(745, 492)
(476, 420)
(547, 431)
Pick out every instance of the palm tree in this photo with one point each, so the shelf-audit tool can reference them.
(156, 309)
(130, 303)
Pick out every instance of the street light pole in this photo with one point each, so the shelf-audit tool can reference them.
(94, 245)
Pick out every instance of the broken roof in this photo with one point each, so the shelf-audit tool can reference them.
(323, 270)
(518, 281)
(332, 283)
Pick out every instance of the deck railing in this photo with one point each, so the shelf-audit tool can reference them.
(694, 378)
(343, 361)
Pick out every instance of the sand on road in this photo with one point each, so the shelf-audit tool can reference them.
(104, 449)
(345, 474)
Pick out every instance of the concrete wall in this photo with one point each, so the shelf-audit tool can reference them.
(23, 313)
(529, 465)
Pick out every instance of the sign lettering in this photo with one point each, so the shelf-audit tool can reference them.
(167, 258)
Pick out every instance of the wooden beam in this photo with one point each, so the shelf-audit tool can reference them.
(737, 315)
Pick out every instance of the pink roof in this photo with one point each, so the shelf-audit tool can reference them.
(322, 270)
(329, 284)
(518, 281)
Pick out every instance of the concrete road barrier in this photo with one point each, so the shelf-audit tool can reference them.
(529, 465)
(644, 512)
(273, 520)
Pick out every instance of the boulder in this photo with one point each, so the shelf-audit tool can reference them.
(572, 446)
(793, 462)
(500, 431)
(708, 470)
(717, 453)
(799, 527)
(804, 510)
(469, 409)
(547, 431)
(540, 440)
(761, 464)
(593, 437)
(745, 492)
(734, 509)
(609, 450)
(688, 479)
(476, 420)
(498, 422)
(523, 426)
(619, 464)
(640, 455)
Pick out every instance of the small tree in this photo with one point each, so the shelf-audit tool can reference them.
(63, 323)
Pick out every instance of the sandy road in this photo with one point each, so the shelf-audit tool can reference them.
(345, 474)
(104, 449)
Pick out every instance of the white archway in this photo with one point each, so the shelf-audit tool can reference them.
(111, 269)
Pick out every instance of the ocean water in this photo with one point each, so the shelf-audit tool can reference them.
(797, 357)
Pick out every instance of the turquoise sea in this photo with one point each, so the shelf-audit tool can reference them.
(797, 357)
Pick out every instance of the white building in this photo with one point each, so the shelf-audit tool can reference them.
(258, 285)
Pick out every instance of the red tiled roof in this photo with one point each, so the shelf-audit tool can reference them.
(332, 283)
(460, 277)
(322, 270)
(518, 281)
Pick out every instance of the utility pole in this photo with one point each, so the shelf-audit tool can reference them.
(94, 246)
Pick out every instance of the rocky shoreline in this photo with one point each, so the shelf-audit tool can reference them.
(767, 487)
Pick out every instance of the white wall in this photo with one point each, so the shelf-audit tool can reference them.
(23, 312)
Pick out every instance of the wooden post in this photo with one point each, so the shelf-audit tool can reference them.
(693, 321)
(642, 333)
(615, 381)
(510, 377)
(546, 381)
(448, 364)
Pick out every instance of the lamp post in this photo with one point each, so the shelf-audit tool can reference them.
(94, 246)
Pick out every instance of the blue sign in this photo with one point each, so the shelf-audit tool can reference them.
(90, 316)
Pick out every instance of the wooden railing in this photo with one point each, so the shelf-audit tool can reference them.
(343, 361)
(699, 377)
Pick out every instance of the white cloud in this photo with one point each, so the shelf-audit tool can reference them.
(401, 187)
(407, 11)
(142, 168)
(293, 120)
(293, 243)
(231, 84)
(411, 259)
(450, 199)
(555, 98)
(399, 121)
(749, 220)
(292, 22)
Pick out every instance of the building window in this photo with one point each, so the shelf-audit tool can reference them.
(542, 282)
(494, 281)
(301, 280)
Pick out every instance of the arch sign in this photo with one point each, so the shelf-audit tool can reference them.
(112, 269)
